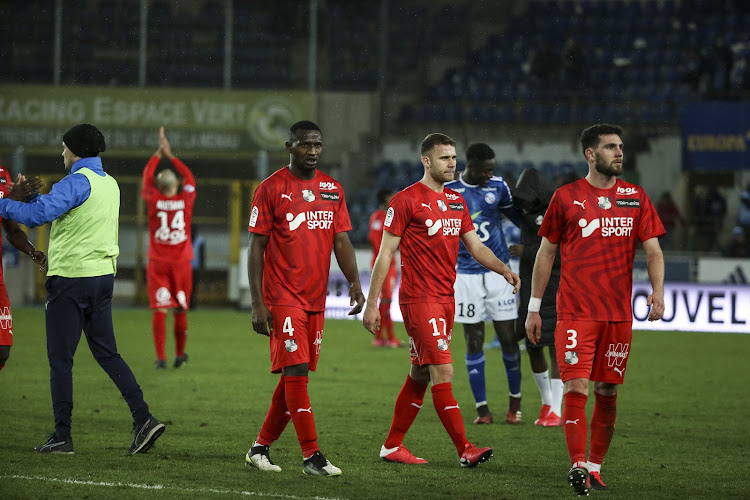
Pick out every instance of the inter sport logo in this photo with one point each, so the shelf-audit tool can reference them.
(610, 226)
(588, 227)
(318, 219)
(433, 227)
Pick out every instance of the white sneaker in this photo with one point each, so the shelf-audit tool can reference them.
(258, 457)
(318, 465)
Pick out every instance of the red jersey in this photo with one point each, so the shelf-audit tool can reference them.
(5, 181)
(375, 235)
(597, 230)
(430, 225)
(301, 219)
(169, 218)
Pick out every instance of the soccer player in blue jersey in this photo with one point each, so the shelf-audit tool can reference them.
(479, 293)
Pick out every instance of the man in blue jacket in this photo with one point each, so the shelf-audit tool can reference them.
(84, 209)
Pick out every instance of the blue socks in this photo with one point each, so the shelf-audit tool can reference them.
(475, 367)
(513, 371)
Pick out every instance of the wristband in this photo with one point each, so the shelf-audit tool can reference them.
(534, 305)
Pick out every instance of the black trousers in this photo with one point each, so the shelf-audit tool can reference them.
(84, 304)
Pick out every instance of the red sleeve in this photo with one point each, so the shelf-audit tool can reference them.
(553, 221)
(185, 173)
(342, 223)
(261, 211)
(149, 184)
(650, 225)
(466, 223)
(398, 215)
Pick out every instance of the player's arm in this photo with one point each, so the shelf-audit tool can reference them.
(545, 258)
(149, 183)
(655, 266)
(488, 259)
(345, 256)
(261, 315)
(388, 247)
(19, 239)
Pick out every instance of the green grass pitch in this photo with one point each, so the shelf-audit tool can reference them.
(682, 423)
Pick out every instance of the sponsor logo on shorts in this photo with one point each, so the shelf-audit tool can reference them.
(617, 353)
(163, 296)
(6, 320)
(290, 345)
(571, 357)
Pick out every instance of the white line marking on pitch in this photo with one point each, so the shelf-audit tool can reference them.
(161, 487)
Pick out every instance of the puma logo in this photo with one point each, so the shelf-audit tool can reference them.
(415, 405)
(617, 370)
(451, 408)
(576, 202)
(308, 410)
(427, 205)
(287, 196)
(574, 422)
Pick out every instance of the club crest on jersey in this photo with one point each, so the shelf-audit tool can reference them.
(539, 219)
(442, 206)
(604, 203)
(3, 180)
(442, 344)
(571, 357)
(489, 198)
(290, 345)
(308, 195)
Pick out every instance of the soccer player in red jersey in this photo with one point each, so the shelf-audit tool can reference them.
(169, 272)
(375, 236)
(596, 221)
(427, 221)
(20, 240)
(298, 216)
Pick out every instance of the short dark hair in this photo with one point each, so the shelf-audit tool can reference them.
(479, 152)
(383, 195)
(590, 136)
(301, 125)
(433, 140)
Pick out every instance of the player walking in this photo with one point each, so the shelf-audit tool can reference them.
(481, 293)
(597, 222)
(169, 273)
(298, 216)
(427, 221)
(375, 236)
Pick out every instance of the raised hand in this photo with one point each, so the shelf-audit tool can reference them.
(164, 144)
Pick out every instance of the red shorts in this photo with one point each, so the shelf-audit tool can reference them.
(386, 293)
(595, 350)
(430, 327)
(296, 337)
(6, 320)
(169, 283)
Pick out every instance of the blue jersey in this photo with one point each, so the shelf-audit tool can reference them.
(485, 205)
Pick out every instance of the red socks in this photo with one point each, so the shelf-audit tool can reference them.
(158, 325)
(450, 414)
(408, 403)
(386, 323)
(298, 403)
(575, 426)
(180, 332)
(276, 418)
(602, 426)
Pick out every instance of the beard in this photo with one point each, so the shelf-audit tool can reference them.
(611, 169)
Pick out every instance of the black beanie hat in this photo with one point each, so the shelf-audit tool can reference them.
(85, 140)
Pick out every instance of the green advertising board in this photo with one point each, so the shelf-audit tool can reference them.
(208, 123)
